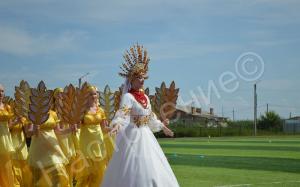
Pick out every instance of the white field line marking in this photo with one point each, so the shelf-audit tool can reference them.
(235, 185)
(278, 182)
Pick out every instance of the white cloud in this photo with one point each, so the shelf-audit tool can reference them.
(17, 41)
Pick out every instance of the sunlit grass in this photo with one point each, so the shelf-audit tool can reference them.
(243, 161)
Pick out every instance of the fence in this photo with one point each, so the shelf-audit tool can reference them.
(244, 128)
(291, 126)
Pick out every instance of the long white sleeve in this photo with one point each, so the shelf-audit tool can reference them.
(154, 123)
(122, 116)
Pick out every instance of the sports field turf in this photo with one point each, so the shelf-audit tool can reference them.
(235, 161)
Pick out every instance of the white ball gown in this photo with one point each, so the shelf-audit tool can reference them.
(138, 160)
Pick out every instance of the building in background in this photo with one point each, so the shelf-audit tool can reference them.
(189, 115)
(292, 125)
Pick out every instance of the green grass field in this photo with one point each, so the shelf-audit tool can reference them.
(235, 161)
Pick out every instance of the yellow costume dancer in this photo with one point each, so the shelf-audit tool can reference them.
(6, 146)
(109, 140)
(22, 173)
(46, 158)
(92, 145)
(65, 141)
(76, 162)
(109, 144)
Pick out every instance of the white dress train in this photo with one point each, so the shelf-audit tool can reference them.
(138, 160)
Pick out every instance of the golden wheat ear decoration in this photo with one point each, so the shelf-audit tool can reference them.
(64, 104)
(22, 99)
(118, 95)
(107, 102)
(147, 91)
(40, 103)
(80, 103)
(164, 101)
(8, 101)
(170, 101)
(158, 100)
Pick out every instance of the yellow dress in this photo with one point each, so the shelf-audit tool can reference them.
(22, 173)
(76, 163)
(68, 147)
(109, 144)
(66, 143)
(46, 158)
(92, 150)
(6, 148)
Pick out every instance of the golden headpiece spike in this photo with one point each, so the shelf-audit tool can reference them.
(136, 62)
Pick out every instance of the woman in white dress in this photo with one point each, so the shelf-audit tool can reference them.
(138, 160)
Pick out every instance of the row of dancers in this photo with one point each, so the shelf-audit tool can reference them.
(87, 154)
(59, 154)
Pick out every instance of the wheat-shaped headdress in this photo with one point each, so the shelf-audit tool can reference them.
(136, 63)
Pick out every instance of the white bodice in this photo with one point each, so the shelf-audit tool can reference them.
(131, 112)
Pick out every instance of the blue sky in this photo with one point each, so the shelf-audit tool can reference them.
(192, 42)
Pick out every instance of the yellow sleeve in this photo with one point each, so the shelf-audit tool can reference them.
(55, 117)
(10, 111)
(103, 115)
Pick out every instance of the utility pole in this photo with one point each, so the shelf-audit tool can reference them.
(80, 79)
(222, 112)
(233, 114)
(267, 108)
(255, 109)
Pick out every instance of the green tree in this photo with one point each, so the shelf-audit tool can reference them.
(270, 120)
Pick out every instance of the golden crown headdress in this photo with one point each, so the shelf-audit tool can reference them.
(92, 88)
(57, 91)
(136, 62)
